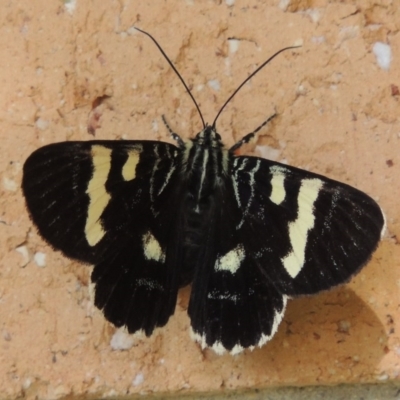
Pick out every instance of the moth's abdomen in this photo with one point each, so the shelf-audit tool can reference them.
(194, 236)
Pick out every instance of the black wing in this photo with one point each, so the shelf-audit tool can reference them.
(111, 203)
(282, 232)
(311, 232)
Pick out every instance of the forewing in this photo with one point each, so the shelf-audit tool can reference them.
(309, 233)
(109, 203)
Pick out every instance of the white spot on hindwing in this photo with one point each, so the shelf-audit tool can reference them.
(129, 168)
(152, 249)
(298, 229)
(231, 261)
(98, 196)
(278, 192)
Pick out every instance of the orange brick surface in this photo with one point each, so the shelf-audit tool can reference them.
(73, 69)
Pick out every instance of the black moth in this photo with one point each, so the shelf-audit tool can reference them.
(246, 232)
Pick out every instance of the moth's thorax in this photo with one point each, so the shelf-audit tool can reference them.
(208, 137)
(205, 163)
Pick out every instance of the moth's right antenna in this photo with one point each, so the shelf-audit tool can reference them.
(248, 78)
(177, 73)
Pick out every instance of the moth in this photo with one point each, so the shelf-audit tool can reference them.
(247, 233)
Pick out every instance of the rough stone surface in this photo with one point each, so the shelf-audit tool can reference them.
(74, 70)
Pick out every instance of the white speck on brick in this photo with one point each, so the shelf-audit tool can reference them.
(23, 250)
(382, 377)
(383, 54)
(121, 340)
(70, 6)
(110, 393)
(283, 4)
(41, 124)
(230, 2)
(314, 14)
(26, 384)
(348, 32)
(344, 326)
(268, 152)
(233, 45)
(227, 63)
(138, 380)
(301, 90)
(40, 259)
(214, 84)
(132, 31)
(10, 184)
(60, 391)
(318, 39)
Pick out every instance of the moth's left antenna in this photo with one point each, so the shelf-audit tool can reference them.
(177, 73)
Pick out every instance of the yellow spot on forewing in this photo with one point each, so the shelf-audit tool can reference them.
(152, 248)
(278, 192)
(298, 229)
(99, 198)
(231, 261)
(129, 168)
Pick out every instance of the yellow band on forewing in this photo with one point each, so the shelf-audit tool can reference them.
(129, 168)
(278, 192)
(298, 229)
(99, 198)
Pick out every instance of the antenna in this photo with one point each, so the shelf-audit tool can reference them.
(248, 78)
(177, 73)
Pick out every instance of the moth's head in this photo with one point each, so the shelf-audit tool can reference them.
(208, 137)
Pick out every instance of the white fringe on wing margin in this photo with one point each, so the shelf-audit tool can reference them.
(219, 348)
